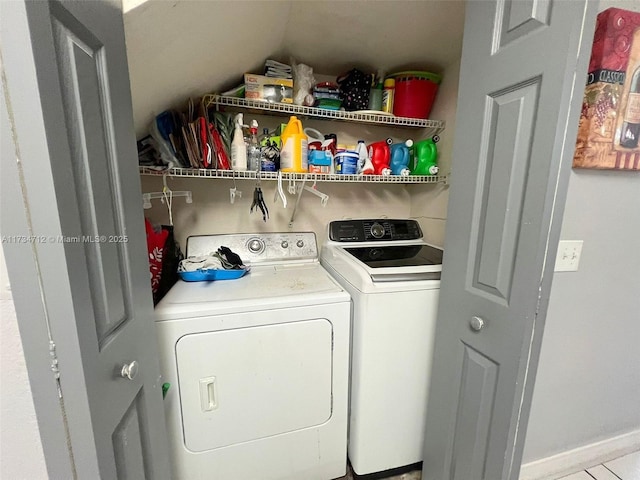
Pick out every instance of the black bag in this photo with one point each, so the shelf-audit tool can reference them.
(354, 90)
(170, 259)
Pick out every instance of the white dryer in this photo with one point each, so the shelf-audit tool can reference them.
(258, 366)
(393, 277)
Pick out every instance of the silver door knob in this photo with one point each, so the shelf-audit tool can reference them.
(476, 324)
(130, 370)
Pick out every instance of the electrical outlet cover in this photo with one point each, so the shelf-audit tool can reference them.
(568, 257)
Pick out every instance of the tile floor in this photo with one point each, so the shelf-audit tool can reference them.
(623, 468)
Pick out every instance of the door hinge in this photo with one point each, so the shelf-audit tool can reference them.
(54, 366)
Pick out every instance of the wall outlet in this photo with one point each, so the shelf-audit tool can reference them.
(568, 256)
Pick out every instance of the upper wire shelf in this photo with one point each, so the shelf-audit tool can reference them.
(319, 177)
(437, 126)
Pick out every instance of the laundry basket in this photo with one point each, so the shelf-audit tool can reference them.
(414, 93)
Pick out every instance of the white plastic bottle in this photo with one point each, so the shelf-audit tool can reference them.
(365, 167)
(253, 150)
(238, 147)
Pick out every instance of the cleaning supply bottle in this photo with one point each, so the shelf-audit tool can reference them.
(253, 150)
(238, 146)
(426, 157)
(365, 167)
(380, 155)
(375, 94)
(387, 95)
(293, 157)
(400, 158)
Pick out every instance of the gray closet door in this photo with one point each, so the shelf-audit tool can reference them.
(68, 100)
(521, 83)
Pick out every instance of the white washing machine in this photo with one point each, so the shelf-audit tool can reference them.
(258, 366)
(393, 277)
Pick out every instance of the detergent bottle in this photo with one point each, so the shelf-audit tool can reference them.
(365, 167)
(400, 157)
(426, 157)
(293, 156)
(380, 156)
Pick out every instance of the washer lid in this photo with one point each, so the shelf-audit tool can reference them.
(395, 265)
(397, 255)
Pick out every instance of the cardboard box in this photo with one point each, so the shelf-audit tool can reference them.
(610, 118)
(268, 89)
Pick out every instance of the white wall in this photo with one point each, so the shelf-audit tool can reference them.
(588, 383)
(21, 455)
(188, 48)
(429, 204)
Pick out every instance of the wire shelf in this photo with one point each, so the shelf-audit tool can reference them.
(319, 177)
(436, 126)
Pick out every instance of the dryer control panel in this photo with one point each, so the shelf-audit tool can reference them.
(374, 230)
(258, 247)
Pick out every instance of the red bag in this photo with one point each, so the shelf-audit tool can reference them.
(155, 247)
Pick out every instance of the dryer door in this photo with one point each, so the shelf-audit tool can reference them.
(249, 383)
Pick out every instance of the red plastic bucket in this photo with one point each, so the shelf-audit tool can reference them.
(414, 93)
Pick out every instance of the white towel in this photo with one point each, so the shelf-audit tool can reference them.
(205, 262)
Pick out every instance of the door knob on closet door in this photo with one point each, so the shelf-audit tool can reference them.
(129, 370)
(476, 324)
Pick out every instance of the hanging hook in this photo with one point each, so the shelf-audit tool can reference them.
(168, 197)
(292, 186)
(295, 208)
(234, 192)
(279, 191)
(324, 198)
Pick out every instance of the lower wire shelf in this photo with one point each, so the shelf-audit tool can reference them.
(318, 177)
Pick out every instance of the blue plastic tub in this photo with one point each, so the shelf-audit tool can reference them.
(210, 275)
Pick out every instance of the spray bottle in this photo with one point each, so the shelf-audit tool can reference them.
(238, 146)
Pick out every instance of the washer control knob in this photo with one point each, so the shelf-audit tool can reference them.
(377, 230)
(256, 245)
(476, 324)
(300, 243)
(284, 244)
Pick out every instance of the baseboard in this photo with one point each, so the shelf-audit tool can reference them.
(581, 458)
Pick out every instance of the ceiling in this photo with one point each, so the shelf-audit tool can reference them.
(185, 48)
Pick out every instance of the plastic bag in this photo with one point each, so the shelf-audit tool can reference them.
(303, 82)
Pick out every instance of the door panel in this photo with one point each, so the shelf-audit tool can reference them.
(129, 444)
(521, 82)
(74, 138)
(84, 75)
(520, 18)
(470, 443)
(504, 161)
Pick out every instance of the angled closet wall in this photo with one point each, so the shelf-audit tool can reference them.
(188, 48)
